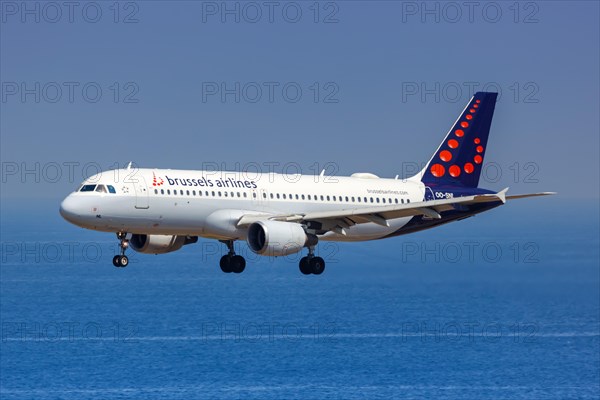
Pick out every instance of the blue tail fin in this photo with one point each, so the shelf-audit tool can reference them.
(459, 159)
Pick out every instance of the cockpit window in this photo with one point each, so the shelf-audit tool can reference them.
(101, 189)
(87, 188)
(111, 189)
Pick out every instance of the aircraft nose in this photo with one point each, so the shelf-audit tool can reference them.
(69, 209)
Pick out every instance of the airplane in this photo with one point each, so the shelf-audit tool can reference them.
(158, 211)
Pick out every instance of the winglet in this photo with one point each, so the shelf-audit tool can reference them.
(502, 195)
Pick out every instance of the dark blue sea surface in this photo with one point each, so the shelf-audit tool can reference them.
(501, 306)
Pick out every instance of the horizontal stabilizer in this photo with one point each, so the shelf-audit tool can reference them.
(522, 196)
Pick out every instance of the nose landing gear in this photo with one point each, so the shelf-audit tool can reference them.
(121, 260)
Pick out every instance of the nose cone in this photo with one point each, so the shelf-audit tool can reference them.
(69, 209)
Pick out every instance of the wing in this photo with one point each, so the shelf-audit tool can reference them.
(338, 220)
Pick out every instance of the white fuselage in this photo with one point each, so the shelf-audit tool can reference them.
(209, 203)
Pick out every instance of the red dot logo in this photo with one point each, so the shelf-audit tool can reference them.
(475, 106)
(477, 141)
(454, 171)
(477, 101)
(469, 117)
(452, 143)
(469, 168)
(472, 111)
(445, 155)
(459, 133)
(156, 181)
(478, 159)
(438, 170)
(464, 124)
(479, 149)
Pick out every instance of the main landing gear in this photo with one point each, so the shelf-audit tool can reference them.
(121, 260)
(231, 262)
(311, 264)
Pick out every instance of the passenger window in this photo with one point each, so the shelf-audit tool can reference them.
(245, 195)
(396, 201)
(181, 192)
(111, 189)
(238, 193)
(321, 197)
(302, 197)
(193, 193)
(309, 197)
(353, 199)
(327, 198)
(254, 195)
(155, 191)
(296, 197)
(333, 198)
(264, 195)
(277, 196)
(232, 194)
(365, 199)
(168, 191)
(162, 191)
(87, 188)
(408, 200)
(358, 199)
(187, 192)
(346, 198)
(271, 195)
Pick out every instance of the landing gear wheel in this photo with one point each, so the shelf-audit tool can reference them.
(237, 264)
(317, 265)
(225, 264)
(123, 261)
(304, 266)
(231, 262)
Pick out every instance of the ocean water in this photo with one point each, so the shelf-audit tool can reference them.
(501, 306)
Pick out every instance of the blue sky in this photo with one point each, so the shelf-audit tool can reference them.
(381, 83)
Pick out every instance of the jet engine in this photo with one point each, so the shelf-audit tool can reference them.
(276, 238)
(159, 244)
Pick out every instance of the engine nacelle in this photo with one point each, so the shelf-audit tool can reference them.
(159, 244)
(276, 238)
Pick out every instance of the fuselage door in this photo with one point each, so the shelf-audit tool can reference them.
(141, 192)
